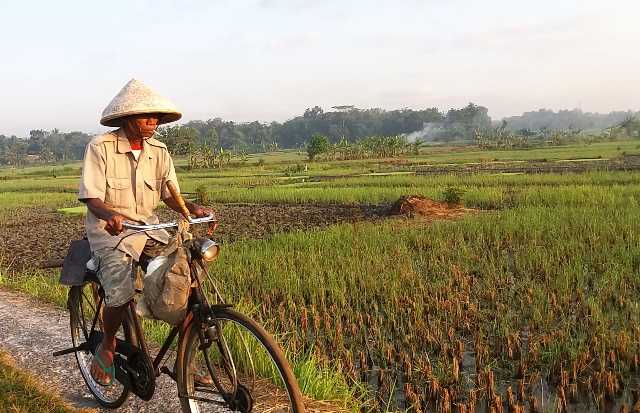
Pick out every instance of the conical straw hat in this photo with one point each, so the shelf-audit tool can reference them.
(136, 98)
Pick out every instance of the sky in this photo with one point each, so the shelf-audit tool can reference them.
(62, 62)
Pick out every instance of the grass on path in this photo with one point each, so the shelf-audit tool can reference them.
(22, 393)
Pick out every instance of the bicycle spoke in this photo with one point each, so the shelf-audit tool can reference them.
(243, 366)
(82, 313)
(88, 301)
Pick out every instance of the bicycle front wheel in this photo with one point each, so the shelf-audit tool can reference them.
(236, 364)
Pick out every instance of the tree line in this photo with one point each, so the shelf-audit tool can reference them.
(319, 148)
(215, 141)
(212, 141)
(42, 146)
(546, 119)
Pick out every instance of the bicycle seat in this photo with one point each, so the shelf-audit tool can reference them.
(74, 270)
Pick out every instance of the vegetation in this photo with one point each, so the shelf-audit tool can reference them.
(452, 196)
(540, 285)
(545, 119)
(365, 148)
(213, 143)
(21, 392)
(317, 145)
(42, 146)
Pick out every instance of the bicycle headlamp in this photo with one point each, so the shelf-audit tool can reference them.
(209, 249)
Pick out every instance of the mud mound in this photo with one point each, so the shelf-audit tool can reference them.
(413, 205)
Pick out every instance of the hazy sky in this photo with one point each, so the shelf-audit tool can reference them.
(61, 62)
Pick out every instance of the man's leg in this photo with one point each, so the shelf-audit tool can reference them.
(112, 318)
(117, 277)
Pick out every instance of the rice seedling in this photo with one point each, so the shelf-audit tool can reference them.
(532, 305)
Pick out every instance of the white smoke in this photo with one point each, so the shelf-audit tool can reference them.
(429, 131)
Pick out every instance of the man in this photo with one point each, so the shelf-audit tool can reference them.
(124, 176)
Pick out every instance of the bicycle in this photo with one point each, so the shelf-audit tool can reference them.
(247, 369)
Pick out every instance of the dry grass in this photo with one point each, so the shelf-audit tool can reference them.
(21, 393)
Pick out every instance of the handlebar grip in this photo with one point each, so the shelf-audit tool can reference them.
(179, 200)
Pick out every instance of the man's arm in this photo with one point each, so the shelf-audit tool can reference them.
(195, 209)
(93, 187)
(102, 211)
(167, 197)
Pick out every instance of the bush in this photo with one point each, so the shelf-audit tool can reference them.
(202, 195)
(318, 145)
(452, 195)
(294, 169)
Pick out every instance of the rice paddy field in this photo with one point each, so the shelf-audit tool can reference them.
(527, 302)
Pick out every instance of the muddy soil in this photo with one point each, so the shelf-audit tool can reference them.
(33, 236)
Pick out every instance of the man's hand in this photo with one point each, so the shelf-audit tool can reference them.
(200, 211)
(114, 224)
(106, 213)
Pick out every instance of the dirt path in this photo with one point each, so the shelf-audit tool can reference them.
(31, 331)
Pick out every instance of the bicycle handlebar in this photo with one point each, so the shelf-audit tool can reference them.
(164, 225)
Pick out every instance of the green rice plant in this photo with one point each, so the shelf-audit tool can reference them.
(316, 379)
(545, 276)
(452, 195)
(49, 200)
(202, 197)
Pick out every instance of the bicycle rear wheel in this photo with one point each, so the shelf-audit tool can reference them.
(83, 304)
(251, 371)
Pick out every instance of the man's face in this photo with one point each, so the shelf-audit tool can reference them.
(142, 125)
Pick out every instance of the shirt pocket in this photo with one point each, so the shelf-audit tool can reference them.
(153, 188)
(118, 192)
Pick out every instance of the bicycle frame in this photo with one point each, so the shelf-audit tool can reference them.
(198, 315)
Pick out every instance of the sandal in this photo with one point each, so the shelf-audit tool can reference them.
(203, 380)
(110, 371)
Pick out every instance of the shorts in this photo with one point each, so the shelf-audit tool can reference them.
(119, 278)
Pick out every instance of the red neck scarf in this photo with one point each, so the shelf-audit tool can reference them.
(136, 145)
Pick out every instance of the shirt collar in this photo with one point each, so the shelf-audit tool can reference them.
(123, 142)
(124, 146)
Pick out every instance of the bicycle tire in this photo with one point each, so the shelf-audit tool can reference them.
(189, 349)
(112, 397)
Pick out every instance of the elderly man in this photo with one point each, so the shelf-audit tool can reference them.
(124, 176)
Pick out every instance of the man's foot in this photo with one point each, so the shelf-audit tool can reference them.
(202, 379)
(102, 369)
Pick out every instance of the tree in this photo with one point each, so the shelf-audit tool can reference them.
(466, 121)
(318, 145)
(314, 113)
(210, 138)
(179, 139)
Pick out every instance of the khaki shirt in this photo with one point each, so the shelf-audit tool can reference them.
(132, 188)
